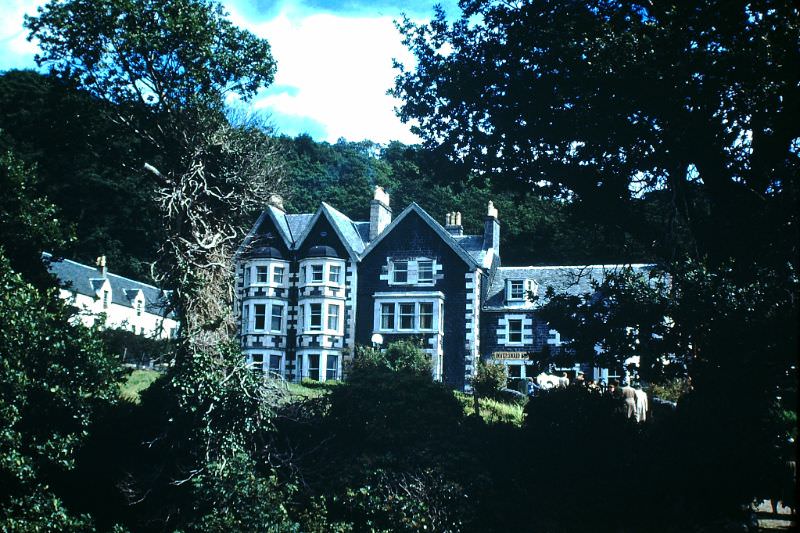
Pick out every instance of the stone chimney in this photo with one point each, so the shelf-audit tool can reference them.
(101, 265)
(491, 229)
(380, 214)
(452, 223)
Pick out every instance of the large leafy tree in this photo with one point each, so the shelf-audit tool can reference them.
(600, 101)
(691, 104)
(168, 69)
(56, 378)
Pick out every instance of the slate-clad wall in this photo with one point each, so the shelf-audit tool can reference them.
(411, 238)
(490, 324)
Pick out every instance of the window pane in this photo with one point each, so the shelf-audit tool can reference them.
(313, 366)
(515, 331)
(247, 276)
(258, 362)
(333, 317)
(262, 274)
(277, 276)
(400, 271)
(316, 316)
(275, 363)
(517, 291)
(245, 318)
(316, 273)
(407, 316)
(332, 370)
(335, 274)
(277, 318)
(426, 315)
(387, 316)
(425, 272)
(261, 315)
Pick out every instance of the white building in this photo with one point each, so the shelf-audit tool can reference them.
(124, 303)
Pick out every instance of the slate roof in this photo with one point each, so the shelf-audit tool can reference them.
(438, 228)
(473, 245)
(355, 233)
(297, 224)
(573, 280)
(86, 280)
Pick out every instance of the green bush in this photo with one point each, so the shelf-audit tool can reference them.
(490, 379)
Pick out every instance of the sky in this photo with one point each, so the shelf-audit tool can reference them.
(334, 61)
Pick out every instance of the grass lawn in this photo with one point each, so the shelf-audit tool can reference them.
(492, 411)
(136, 382)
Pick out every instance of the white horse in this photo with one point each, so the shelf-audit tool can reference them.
(549, 381)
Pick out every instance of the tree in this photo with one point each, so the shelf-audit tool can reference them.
(29, 223)
(691, 104)
(87, 166)
(167, 70)
(601, 101)
(56, 379)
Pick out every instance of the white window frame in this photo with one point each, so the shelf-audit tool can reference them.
(400, 315)
(310, 326)
(510, 296)
(411, 271)
(335, 315)
(259, 271)
(508, 319)
(392, 306)
(393, 271)
(280, 317)
(312, 271)
(389, 300)
(276, 269)
(432, 270)
(337, 269)
(256, 315)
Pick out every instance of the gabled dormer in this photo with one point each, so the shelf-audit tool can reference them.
(520, 290)
(102, 291)
(136, 299)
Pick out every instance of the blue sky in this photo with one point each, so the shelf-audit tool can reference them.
(334, 61)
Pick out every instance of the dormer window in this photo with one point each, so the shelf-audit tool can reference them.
(516, 289)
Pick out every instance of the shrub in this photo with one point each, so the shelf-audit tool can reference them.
(490, 379)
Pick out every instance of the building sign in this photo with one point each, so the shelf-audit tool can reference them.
(510, 355)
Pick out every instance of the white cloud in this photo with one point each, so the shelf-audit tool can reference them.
(339, 68)
(17, 51)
